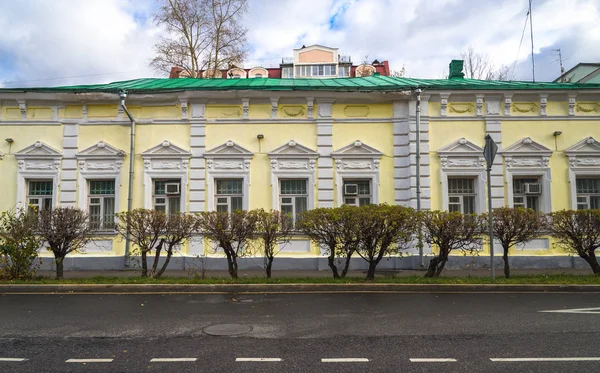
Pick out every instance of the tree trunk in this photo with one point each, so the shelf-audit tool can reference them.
(165, 264)
(232, 264)
(433, 263)
(269, 266)
(331, 262)
(59, 268)
(156, 258)
(593, 262)
(144, 265)
(441, 265)
(346, 265)
(506, 266)
(371, 270)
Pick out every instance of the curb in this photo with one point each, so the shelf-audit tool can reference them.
(295, 288)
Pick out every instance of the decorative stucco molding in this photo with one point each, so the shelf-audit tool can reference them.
(543, 104)
(293, 161)
(527, 158)
(584, 160)
(462, 158)
(572, 102)
(37, 162)
(357, 160)
(165, 161)
(444, 104)
(228, 161)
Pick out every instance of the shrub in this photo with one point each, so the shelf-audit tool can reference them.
(231, 232)
(19, 244)
(449, 231)
(272, 229)
(514, 226)
(579, 232)
(64, 230)
(383, 230)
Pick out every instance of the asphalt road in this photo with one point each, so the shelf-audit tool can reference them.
(295, 332)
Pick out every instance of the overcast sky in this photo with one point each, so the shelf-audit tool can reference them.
(59, 42)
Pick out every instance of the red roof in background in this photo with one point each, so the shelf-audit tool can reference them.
(383, 68)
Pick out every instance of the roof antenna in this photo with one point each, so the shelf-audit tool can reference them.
(531, 32)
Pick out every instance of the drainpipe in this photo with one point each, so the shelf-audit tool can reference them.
(418, 172)
(123, 96)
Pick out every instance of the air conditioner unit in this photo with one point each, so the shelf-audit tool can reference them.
(172, 188)
(351, 189)
(533, 188)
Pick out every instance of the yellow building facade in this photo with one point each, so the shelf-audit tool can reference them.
(293, 145)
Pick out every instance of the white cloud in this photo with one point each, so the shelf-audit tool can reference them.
(66, 38)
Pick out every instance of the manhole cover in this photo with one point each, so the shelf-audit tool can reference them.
(227, 329)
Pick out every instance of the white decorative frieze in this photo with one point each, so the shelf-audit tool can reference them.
(293, 160)
(23, 109)
(198, 110)
(357, 160)
(184, 108)
(461, 154)
(586, 153)
(572, 102)
(309, 104)
(493, 107)
(37, 162)
(543, 104)
(325, 109)
(444, 104)
(274, 102)
(527, 153)
(507, 104)
(245, 108)
(479, 105)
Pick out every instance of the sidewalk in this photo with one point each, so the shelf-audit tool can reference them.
(318, 274)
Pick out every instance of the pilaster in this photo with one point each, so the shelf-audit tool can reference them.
(424, 152)
(493, 127)
(197, 162)
(68, 176)
(325, 148)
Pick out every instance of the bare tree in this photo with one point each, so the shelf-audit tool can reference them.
(399, 73)
(64, 230)
(449, 231)
(578, 231)
(514, 226)
(231, 232)
(480, 66)
(273, 228)
(201, 35)
(145, 228)
(180, 228)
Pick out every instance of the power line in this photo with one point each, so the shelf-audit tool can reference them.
(67, 77)
(520, 43)
(531, 31)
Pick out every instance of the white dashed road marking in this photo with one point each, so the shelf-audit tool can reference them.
(12, 359)
(89, 361)
(172, 359)
(345, 360)
(595, 310)
(258, 359)
(525, 359)
(432, 360)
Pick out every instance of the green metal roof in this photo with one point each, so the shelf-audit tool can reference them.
(366, 84)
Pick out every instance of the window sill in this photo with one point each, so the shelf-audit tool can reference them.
(104, 233)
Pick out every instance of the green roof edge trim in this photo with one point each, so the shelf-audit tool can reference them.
(365, 84)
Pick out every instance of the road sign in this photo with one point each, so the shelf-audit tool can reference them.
(490, 150)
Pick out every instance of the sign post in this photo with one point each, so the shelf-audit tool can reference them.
(489, 153)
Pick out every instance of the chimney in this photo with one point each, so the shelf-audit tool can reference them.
(456, 68)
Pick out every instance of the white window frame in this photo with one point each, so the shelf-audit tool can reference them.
(90, 196)
(479, 181)
(165, 161)
(357, 161)
(584, 161)
(165, 196)
(463, 159)
(100, 161)
(293, 161)
(524, 195)
(527, 158)
(544, 177)
(584, 176)
(228, 196)
(348, 180)
(294, 196)
(42, 197)
(227, 161)
(37, 162)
